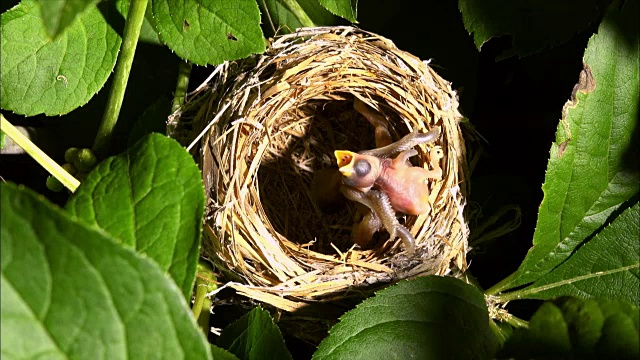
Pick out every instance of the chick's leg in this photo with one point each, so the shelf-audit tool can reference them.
(364, 230)
(383, 137)
(407, 142)
(403, 157)
(434, 161)
(379, 204)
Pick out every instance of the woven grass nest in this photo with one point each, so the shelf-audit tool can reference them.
(273, 120)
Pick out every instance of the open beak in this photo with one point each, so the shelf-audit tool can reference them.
(345, 161)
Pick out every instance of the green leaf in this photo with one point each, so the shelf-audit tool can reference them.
(585, 320)
(147, 32)
(209, 31)
(533, 25)
(40, 75)
(221, 354)
(619, 338)
(607, 266)
(57, 15)
(614, 306)
(546, 338)
(284, 20)
(254, 336)
(591, 170)
(428, 318)
(502, 331)
(70, 292)
(150, 198)
(2, 139)
(347, 9)
(578, 329)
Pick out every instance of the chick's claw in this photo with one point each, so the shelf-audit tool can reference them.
(364, 230)
(386, 185)
(381, 213)
(381, 180)
(380, 204)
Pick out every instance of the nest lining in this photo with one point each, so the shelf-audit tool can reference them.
(277, 119)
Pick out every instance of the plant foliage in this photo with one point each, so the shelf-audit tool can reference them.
(108, 275)
(43, 76)
(414, 319)
(591, 179)
(71, 291)
(572, 328)
(528, 22)
(150, 198)
(254, 336)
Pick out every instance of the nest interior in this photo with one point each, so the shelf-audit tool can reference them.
(272, 123)
(301, 149)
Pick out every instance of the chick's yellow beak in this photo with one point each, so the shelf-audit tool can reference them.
(345, 161)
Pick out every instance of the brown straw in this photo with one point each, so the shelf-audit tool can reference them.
(278, 117)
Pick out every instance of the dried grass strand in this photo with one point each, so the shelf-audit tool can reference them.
(277, 119)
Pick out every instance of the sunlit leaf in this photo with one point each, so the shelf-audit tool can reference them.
(58, 14)
(608, 266)
(347, 9)
(592, 169)
(209, 31)
(150, 198)
(254, 336)
(426, 318)
(40, 75)
(283, 19)
(70, 292)
(148, 31)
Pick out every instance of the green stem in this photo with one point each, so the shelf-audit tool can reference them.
(204, 317)
(504, 284)
(299, 13)
(201, 292)
(205, 283)
(513, 295)
(515, 321)
(184, 70)
(132, 27)
(38, 155)
(534, 289)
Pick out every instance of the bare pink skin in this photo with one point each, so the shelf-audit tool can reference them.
(406, 185)
(386, 185)
(382, 184)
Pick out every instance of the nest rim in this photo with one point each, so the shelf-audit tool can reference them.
(249, 104)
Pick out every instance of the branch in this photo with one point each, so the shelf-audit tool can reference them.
(132, 27)
(39, 156)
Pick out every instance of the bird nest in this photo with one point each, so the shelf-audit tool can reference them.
(272, 121)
